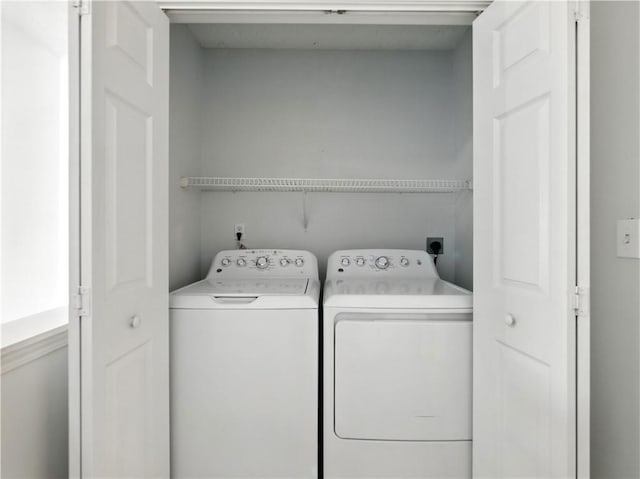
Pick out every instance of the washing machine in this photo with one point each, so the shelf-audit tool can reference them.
(244, 368)
(397, 344)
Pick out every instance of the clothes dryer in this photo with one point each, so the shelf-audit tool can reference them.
(244, 368)
(397, 368)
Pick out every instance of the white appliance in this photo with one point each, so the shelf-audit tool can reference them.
(397, 368)
(244, 368)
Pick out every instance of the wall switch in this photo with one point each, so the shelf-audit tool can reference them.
(433, 247)
(238, 228)
(628, 238)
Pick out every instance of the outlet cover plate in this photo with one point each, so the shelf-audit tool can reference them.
(431, 240)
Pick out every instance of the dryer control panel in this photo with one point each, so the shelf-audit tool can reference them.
(367, 263)
(248, 263)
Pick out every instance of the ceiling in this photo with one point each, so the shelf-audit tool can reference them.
(329, 37)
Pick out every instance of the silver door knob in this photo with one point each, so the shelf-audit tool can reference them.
(509, 320)
(135, 321)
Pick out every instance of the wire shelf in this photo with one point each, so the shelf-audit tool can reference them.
(325, 185)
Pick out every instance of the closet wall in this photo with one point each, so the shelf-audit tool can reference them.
(463, 158)
(326, 114)
(185, 141)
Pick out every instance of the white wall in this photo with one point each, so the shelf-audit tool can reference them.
(35, 419)
(185, 143)
(615, 282)
(34, 168)
(328, 114)
(463, 151)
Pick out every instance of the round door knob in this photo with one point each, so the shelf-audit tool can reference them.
(382, 262)
(284, 262)
(262, 262)
(226, 262)
(135, 321)
(345, 261)
(299, 262)
(509, 320)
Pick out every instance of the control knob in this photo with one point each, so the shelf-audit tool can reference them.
(404, 261)
(345, 261)
(382, 262)
(284, 262)
(241, 262)
(262, 262)
(360, 261)
(226, 261)
(299, 262)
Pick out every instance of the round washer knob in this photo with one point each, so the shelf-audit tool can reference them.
(382, 262)
(299, 262)
(241, 262)
(360, 261)
(262, 262)
(345, 261)
(284, 262)
(404, 261)
(226, 261)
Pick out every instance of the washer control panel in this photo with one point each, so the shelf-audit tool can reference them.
(388, 262)
(264, 262)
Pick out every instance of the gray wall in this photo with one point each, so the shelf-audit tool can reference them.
(463, 151)
(615, 282)
(185, 143)
(329, 114)
(34, 418)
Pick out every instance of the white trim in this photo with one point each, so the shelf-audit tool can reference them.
(353, 5)
(73, 337)
(318, 17)
(29, 350)
(583, 248)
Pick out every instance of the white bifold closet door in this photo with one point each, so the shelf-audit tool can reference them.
(524, 417)
(124, 348)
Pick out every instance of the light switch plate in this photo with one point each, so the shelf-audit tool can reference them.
(628, 238)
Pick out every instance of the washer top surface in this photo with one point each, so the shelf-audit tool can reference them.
(254, 279)
(390, 279)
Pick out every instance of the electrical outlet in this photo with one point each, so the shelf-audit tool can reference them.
(238, 228)
(433, 247)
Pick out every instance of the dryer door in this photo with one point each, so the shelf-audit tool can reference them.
(403, 376)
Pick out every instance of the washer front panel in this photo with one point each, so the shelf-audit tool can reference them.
(403, 377)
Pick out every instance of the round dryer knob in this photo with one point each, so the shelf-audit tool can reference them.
(299, 262)
(262, 262)
(360, 261)
(404, 261)
(284, 262)
(241, 262)
(226, 261)
(345, 261)
(382, 262)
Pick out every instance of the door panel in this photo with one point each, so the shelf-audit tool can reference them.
(124, 161)
(524, 240)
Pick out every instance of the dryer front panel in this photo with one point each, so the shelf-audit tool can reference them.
(403, 377)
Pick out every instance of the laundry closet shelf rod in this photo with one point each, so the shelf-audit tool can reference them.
(325, 185)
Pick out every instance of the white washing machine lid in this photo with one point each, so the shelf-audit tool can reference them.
(248, 293)
(430, 293)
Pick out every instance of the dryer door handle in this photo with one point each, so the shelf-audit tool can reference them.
(234, 299)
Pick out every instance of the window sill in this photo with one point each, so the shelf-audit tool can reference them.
(27, 339)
